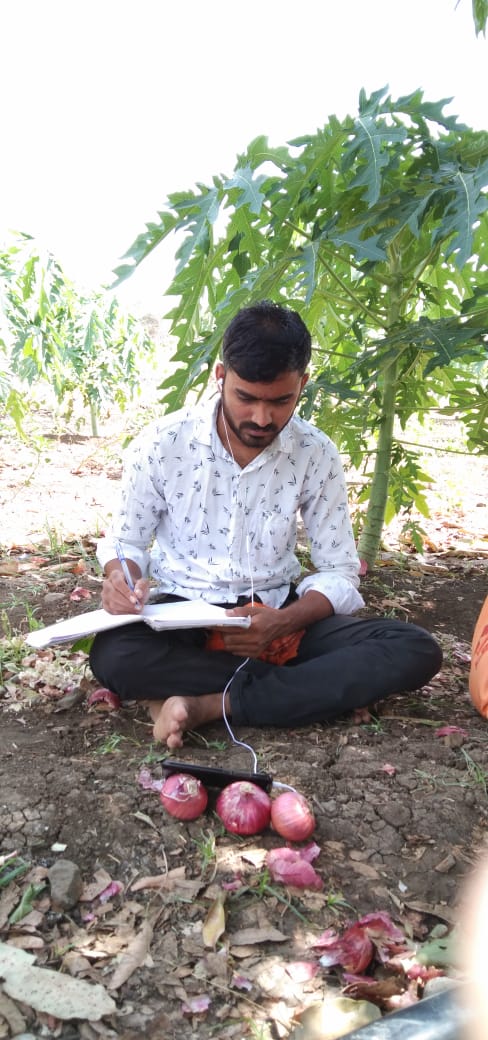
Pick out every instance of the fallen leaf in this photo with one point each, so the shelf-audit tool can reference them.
(12, 1016)
(8, 567)
(26, 942)
(95, 888)
(50, 992)
(136, 953)
(70, 699)
(334, 1017)
(214, 924)
(251, 936)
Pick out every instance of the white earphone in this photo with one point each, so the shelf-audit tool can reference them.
(220, 383)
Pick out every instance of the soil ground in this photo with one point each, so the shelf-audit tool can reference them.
(401, 810)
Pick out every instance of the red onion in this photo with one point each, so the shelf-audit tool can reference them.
(291, 816)
(183, 796)
(244, 808)
(105, 699)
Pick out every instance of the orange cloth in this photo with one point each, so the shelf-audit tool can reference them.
(279, 651)
(478, 675)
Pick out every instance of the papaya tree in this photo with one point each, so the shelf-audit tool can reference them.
(76, 342)
(375, 229)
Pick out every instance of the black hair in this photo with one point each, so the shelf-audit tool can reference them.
(264, 340)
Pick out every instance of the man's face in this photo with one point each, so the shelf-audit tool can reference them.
(257, 412)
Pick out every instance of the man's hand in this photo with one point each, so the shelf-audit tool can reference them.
(270, 624)
(266, 625)
(117, 597)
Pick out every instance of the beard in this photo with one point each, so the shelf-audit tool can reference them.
(248, 433)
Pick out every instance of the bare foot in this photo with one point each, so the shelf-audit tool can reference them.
(177, 714)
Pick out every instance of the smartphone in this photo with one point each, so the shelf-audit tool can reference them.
(212, 776)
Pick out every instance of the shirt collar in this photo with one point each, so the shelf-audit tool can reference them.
(206, 430)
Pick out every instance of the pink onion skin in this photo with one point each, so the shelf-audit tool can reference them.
(292, 817)
(183, 796)
(244, 808)
(105, 699)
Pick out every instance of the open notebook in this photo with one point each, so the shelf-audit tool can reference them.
(185, 614)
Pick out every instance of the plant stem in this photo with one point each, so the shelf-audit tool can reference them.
(370, 538)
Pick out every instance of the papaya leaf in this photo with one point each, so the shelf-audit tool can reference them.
(249, 193)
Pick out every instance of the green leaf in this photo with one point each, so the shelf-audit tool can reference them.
(370, 149)
(248, 188)
(369, 248)
(480, 15)
(199, 213)
(308, 264)
(144, 245)
(26, 903)
(467, 202)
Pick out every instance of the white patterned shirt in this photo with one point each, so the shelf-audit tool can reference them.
(203, 527)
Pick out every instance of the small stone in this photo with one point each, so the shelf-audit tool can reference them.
(66, 884)
(53, 598)
(438, 985)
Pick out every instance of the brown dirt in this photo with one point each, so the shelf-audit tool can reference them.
(398, 840)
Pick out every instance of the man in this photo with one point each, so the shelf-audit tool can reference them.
(215, 494)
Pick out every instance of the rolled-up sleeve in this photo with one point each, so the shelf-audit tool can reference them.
(325, 514)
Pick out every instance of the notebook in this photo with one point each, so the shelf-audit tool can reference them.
(195, 613)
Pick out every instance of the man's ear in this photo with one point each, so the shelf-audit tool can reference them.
(305, 379)
(219, 372)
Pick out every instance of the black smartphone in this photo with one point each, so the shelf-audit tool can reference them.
(212, 776)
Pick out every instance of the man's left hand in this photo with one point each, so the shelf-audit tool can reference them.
(266, 625)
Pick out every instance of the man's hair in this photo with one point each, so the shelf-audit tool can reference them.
(265, 340)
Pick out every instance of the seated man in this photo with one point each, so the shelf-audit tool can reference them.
(209, 505)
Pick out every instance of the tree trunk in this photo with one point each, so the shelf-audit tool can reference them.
(93, 419)
(370, 539)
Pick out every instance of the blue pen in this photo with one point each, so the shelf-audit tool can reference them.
(123, 563)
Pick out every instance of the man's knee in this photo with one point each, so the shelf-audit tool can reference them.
(121, 658)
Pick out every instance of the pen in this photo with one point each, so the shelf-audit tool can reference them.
(123, 563)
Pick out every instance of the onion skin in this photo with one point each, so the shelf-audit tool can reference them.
(104, 699)
(244, 808)
(183, 796)
(292, 817)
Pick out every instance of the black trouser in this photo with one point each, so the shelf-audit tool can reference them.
(343, 663)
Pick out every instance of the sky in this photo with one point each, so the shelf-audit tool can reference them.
(109, 105)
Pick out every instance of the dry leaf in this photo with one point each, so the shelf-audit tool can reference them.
(8, 567)
(214, 924)
(135, 955)
(250, 936)
(50, 992)
(159, 880)
(8, 901)
(26, 942)
(95, 888)
(10, 1012)
(174, 881)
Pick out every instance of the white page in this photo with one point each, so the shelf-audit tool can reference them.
(184, 614)
(190, 614)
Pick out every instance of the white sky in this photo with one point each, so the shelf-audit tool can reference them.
(108, 105)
